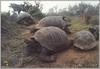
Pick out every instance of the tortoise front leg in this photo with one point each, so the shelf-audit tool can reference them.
(46, 56)
(29, 50)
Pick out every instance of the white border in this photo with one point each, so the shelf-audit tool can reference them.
(49, 0)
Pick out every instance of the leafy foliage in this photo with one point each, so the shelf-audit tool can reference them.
(79, 9)
(28, 7)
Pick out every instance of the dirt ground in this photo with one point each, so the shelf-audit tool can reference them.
(71, 58)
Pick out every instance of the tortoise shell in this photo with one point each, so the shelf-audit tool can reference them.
(52, 38)
(57, 21)
(24, 18)
(84, 40)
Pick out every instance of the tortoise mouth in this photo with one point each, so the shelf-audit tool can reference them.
(31, 41)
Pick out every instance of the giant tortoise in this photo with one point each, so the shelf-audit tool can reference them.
(57, 21)
(95, 31)
(84, 40)
(25, 19)
(50, 40)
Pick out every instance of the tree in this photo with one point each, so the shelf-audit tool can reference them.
(63, 12)
(35, 10)
(97, 9)
(26, 6)
(21, 7)
(53, 11)
(73, 10)
(17, 8)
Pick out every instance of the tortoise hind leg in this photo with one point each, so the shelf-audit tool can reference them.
(46, 56)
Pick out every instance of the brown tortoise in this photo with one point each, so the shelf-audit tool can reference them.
(57, 21)
(25, 19)
(50, 40)
(84, 40)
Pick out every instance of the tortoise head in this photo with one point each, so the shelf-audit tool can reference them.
(32, 47)
(30, 41)
(33, 30)
(67, 19)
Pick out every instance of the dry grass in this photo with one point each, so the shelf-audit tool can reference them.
(78, 24)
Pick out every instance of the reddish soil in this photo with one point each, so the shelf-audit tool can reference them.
(72, 58)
